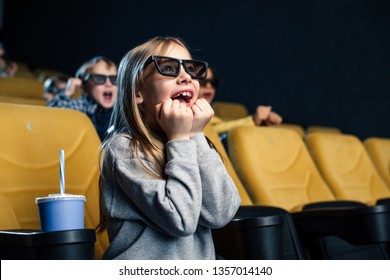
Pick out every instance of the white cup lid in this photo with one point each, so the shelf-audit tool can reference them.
(58, 196)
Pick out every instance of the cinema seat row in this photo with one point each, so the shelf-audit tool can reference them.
(291, 206)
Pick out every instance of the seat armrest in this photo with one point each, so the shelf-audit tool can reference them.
(55, 245)
(383, 201)
(258, 232)
(360, 225)
(333, 205)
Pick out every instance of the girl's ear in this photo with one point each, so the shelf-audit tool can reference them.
(138, 98)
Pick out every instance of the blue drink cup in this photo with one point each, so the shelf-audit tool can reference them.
(61, 212)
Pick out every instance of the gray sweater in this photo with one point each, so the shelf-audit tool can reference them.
(151, 218)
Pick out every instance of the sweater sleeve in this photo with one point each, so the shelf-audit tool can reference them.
(221, 199)
(223, 126)
(170, 205)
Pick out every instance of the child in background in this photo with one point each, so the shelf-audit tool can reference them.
(54, 85)
(96, 80)
(164, 186)
(262, 116)
(8, 68)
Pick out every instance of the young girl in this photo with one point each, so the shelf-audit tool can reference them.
(163, 187)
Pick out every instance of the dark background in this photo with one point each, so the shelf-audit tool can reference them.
(317, 62)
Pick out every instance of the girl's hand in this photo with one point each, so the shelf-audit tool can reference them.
(175, 118)
(202, 115)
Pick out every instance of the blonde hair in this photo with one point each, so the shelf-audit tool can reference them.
(127, 115)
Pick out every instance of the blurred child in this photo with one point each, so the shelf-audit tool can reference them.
(96, 80)
(8, 68)
(54, 85)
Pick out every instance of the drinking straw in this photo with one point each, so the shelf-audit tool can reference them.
(62, 174)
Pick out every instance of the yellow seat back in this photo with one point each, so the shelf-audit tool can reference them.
(29, 161)
(295, 127)
(22, 100)
(8, 218)
(276, 168)
(230, 110)
(346, 166)
(213, 136)
(379, 152)
(21, 87)
(316, 128)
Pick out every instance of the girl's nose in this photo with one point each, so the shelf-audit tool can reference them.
(183, 75)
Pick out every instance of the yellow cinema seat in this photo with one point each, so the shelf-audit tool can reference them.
(379, 151)
(22, 100)
(296, 127)
(346, 167)
(29, 165)
(276, 168)
(316, 128)
(8, 218)
(213, 136)
(230, 110)
(21, 87)
(240, 238)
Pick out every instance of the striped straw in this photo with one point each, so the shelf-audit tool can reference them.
(62, 174)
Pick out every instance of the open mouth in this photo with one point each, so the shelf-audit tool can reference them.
(107, 96)
(184, 96)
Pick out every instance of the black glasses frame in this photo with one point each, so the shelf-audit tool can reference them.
(94, 78)
(187, 63)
